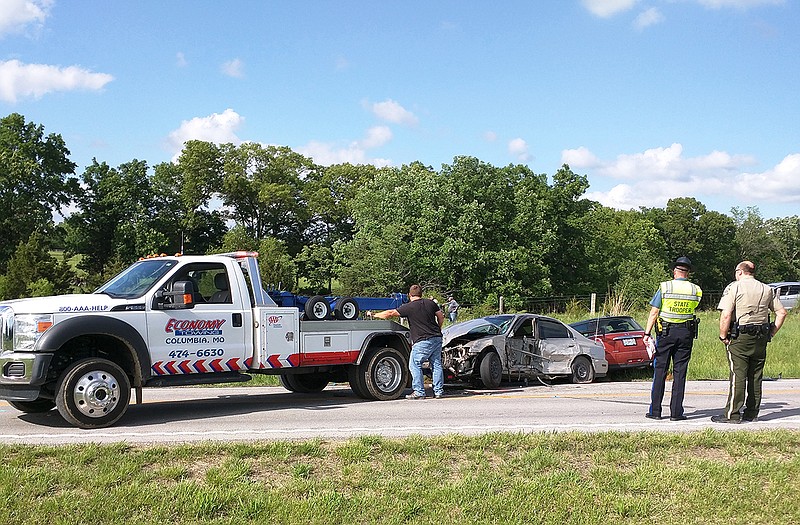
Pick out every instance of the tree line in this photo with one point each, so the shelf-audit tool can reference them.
(469, 228)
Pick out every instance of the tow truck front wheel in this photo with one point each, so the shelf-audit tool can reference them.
(93, 393)
(382, 375)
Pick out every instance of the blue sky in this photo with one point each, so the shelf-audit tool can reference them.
(651, 99)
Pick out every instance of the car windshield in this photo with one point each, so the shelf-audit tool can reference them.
(137, 279)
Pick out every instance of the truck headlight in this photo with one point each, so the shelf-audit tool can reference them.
(29, 328)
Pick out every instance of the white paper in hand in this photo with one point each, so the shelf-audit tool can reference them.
(650, 346)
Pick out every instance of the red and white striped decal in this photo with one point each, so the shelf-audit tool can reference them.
(201, 366)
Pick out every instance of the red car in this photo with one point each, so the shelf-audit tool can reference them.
(622, 337)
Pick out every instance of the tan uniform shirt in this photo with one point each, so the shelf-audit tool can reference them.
(750, 300)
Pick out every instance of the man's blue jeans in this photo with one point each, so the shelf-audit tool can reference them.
(428, 350)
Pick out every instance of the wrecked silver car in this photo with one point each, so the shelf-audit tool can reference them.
(521, 346)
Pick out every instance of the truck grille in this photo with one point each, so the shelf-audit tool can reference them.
(6, 329)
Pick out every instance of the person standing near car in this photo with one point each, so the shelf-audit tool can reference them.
(672, 315)
(745, 329)
(425, 320)
(452, 309)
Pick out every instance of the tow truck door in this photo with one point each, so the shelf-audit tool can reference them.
(213, 336)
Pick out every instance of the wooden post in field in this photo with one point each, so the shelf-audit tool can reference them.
(501, 304)
(594, 301)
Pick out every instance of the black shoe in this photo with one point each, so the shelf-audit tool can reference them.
(678, 418)
(652, 416)
(749, 419)
(722, 419)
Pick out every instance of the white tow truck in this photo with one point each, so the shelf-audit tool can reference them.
(183, 320)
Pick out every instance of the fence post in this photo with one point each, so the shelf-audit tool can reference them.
(501, 304)
(593, 302)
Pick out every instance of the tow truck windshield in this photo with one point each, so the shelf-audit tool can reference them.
(137, 279)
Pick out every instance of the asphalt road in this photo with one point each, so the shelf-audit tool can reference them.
(192, 414)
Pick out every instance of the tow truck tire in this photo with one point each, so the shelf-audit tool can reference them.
(491, 370)
(382, 375)
(93, 393)
(582, 370)
(305, 383)
(317, 308)
(346, 309)
(37, 406)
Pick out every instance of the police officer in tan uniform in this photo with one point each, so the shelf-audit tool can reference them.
(745, 329)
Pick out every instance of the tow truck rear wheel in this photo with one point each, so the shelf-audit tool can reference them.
(93, 393)
(317, 308)
(382, 375)
(37, 406)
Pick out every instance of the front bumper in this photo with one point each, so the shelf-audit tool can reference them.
(24, 368)
(22, 374)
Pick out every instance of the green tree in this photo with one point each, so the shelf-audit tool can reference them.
(567, 212)
(116, 218)
(785, 232)
(32, 271)
(34, 181)
(191, 190)
(263, 188)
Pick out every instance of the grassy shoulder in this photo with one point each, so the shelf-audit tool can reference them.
(703, 477)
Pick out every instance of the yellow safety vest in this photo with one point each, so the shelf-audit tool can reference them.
(679, 299)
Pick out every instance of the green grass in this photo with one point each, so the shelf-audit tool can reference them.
(702, 477)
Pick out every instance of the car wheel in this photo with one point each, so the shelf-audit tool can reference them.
(37, 406)
(491, 370)
(582, 370)
(93, 393)
(317, 308)
(346, 309)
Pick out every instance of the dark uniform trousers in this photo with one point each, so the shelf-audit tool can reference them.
(674, 344)
(746, 357)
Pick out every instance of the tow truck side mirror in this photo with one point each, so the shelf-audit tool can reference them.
(181, 297)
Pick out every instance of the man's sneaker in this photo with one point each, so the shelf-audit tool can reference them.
(652, 416)
(722, 419)
(414, 395)
(749, 419)
(438, 396)
(678, 418)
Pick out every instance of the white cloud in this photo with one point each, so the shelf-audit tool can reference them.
(233, 68)
(607, 8)
(656, 175)
(777, 184)
(219, 128)
(490, 136)
(16, 15)
(326, 154)
(391, 111)
(738, 4)
(180, 59)
(18, 80)
(519, 148)
(648, 18)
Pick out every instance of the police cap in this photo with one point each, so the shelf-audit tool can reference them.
(683, 263)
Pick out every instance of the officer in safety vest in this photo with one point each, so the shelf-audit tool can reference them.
(745, 329)
(672, 315)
